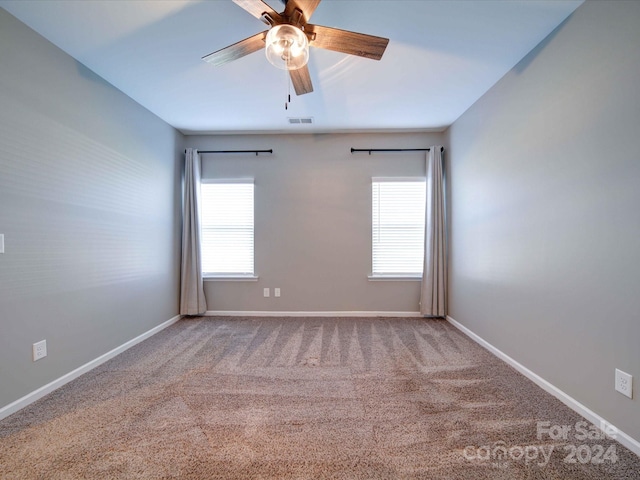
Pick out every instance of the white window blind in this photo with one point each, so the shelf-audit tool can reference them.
(398, 227)
(227, 228)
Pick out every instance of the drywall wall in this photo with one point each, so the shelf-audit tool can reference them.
(89, 209)
(313, 219)
(545, 190)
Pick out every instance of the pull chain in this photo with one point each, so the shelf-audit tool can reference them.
(286, 104)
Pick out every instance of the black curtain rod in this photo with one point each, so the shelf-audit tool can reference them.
(235, 151)
(353, 150)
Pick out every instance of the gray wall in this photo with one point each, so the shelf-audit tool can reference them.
(89, 206)
(313, 219)
(545, 198)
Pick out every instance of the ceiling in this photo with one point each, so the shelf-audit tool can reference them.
(442, 56)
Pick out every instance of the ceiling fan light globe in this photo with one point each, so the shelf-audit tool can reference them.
(279, 48)
(297, 50)
(287, 47)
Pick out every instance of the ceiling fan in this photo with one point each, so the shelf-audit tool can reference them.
(288, 39)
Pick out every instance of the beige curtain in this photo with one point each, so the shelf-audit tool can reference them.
(192, 301)
(433, 296)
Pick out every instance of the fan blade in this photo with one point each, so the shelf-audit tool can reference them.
(345, 41)
(306, 6)
(258, 8)
(301, 80)
(237, 50)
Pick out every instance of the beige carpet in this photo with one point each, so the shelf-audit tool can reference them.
(305, 398)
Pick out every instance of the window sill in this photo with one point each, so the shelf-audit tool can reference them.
(230, 278)
(395, 278)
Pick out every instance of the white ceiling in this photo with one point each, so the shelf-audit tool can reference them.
(442, 56)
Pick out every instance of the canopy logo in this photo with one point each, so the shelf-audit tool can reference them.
(559, 436)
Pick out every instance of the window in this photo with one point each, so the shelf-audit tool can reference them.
(227, 228)
(398, 227)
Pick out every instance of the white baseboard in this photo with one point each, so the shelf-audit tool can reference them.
(625, 439)
(221, 313)
(50, 387)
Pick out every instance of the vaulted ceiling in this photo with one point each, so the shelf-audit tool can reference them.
(442, 56)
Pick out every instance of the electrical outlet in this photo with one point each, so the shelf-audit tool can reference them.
(39, 350)
(624, 383)
(276, 292)
(266, 292)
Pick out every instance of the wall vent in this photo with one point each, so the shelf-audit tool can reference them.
(300, 120)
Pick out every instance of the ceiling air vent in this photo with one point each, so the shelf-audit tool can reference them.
(300, 120)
